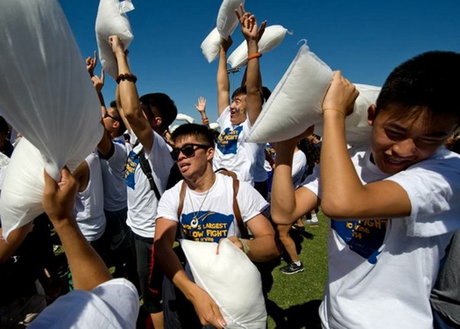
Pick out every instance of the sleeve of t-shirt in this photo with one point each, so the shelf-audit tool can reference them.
(224, 117)
(434, 192)
(250, 202)
(169, 202)
(160, 161)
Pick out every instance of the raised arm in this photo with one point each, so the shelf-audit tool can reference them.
(252, 33)
(287, 203)
(201, 108)
(343, 194)
(223, 84)
(88, 269)
(129, 99)
(207, 310)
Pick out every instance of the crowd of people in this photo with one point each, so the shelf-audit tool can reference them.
(394, 205)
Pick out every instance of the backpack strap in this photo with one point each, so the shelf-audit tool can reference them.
(145, 166)
(181, 199)
(237, 212)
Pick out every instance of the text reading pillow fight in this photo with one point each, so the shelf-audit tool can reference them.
(358, 131)
(111, 20)
(231, 279)
(295, 103)
(46, 92)
(271, 38)
(227, 20)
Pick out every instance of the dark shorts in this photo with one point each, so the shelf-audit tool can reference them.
(152, 299)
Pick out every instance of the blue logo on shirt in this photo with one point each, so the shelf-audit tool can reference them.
(131, 163)
(207, 226)
(227, 141)
(364, 237)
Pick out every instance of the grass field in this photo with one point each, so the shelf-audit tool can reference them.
(294, 299)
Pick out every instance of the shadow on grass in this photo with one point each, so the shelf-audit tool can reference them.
(295, 317)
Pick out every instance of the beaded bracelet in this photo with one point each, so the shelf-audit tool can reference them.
(245, 245)
(128, 76)
(205, 121)
(255, 55)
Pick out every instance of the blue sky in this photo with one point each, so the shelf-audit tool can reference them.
(363, 39)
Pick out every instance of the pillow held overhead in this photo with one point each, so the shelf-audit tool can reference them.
(210, 46)
(46, 95)
(271, 38)
(111, 20)
(295, 103)
(226, 18)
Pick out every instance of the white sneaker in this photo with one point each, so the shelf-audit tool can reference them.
(313, 220)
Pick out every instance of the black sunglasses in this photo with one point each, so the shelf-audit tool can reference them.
(188, 150)
(107, 115)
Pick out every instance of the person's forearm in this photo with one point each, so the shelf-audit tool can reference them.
(223, 85)
(126, 87)
(262, 248)
(88, 269)
(253, 82)
(283, 196)
(338, 178)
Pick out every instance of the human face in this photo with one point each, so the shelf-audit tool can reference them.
(238, 109)
(195, 164)
(111, 120)
(399, 142)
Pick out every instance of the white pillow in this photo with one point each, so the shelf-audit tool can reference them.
(226, 18)
(111, 20)
(210, 47)
(231, 280)
(295, 103)
(46, 95)
(271, 38)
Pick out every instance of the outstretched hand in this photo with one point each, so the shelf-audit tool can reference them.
(91, 63)
(98, 82)
(226, 43)
(201, 105)
(248, 23)
(59, 197)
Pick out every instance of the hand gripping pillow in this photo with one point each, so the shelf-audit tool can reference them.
(226, 18)
(231, 280)
(295, 103)
(271, 38)
(111, 20)
(358, 131)
(46, 93)
(210, 46)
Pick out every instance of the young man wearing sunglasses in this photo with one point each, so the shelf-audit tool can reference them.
(206, 214)
(148, 116)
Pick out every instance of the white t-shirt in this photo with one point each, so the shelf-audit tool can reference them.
(89, 204)
(113, 305)
(213, 208)
(381, 271)
(299, 163)
(142, 202)
(113, 177)
(232, 152)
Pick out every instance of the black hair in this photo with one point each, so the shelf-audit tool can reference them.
(113, 104)
(160, 105)
(265, 94)
(192, 129)
(429, 81)
(239, 91)
(4, 128)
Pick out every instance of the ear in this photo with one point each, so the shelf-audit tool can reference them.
(210, 153)
(371, 112)
(116, 124)
(158, 121)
